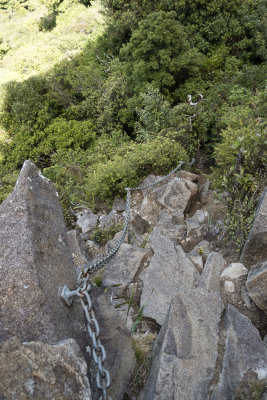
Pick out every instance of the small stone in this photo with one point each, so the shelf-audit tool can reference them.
(229, 286)
(234, 271)
(86, 220)
(119, 205)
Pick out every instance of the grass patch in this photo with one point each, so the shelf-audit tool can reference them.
(142, 344)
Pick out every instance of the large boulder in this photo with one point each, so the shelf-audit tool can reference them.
(185, 352)
(168, 270)
(245, 355)
(255, 248)
(257, 285)
(34, 262)
(40, 371)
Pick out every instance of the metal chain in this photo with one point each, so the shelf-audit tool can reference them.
(98, 350)
(98, 263)
(84, 288)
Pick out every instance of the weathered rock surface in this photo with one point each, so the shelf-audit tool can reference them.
(119, 205)
(210, 276)
(189, 176)
(185, 352)
(86, 220)
(122, 269)
(113, 218)
(175, 195)
(257, 285)
(77, 248)
(40, 371)
(234, 271)
(34, 262)
(255, 248)
(244, 353)
(118, 345)
(168, 270)
(140, 225)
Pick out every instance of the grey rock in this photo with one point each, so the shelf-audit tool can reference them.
(86, 220)
(92, 248)
(185, 352)
(197, 260)
(257, 285)
(35, 261)
(210, 276)
(149, 210)
(119, 205)
(113, 218)
(229, 286)
(175, 196)
(200, 216)
(117, 341)
(234, 271)
(40, 371)
(168, 270)
(205, 194)
(255, 248)
(204, 247)
(122, 269)
(246, 299)
(77, 248)
(189, 176)
(140, 225)
(147, 181)
(244, 353)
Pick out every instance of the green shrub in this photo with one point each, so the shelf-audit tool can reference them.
(48, 22)
(132, 162)
(241, 168)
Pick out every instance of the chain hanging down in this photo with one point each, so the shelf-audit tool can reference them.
(84, 288)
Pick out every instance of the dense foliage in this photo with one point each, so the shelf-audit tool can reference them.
(106, 117)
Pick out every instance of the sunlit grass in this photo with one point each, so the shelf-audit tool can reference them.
(33, 51)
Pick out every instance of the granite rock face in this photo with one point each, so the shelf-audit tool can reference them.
(40, 371)
(245, 354)
(257, 285)
(210, 276)
(117, 341)
(185, 352)
(169, 269)
(175, 195)
(255, 248)
(34, 262)
(122, 269)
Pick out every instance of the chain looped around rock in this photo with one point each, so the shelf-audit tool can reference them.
(84, 288)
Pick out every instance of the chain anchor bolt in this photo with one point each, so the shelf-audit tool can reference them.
(67, 295)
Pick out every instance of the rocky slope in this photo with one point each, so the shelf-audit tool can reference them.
(169, 277)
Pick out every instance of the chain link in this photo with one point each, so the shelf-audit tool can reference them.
(84, 288)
